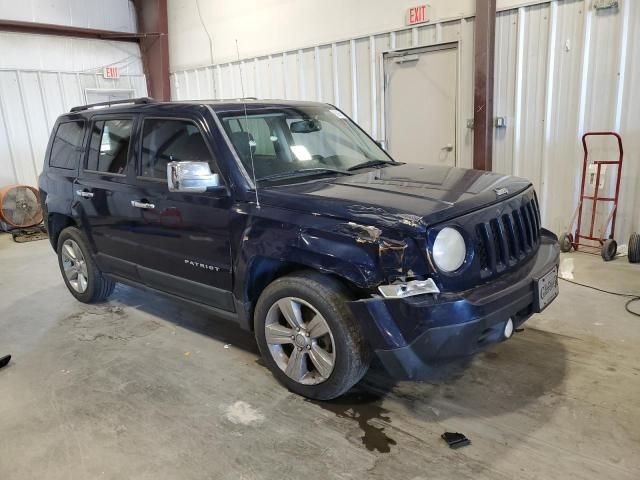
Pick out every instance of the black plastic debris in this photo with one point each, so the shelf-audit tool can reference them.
(4, 361)
(455, 440)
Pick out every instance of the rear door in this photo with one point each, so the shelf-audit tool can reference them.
(104, 191)
(59, 173)
(186, 236)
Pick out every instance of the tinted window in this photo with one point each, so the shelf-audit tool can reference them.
(67, 145)
(164, 141)
(109, 146)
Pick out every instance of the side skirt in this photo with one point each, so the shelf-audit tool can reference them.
(233, 316)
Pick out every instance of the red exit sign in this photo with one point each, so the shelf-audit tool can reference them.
(419, 14)
(110, 72)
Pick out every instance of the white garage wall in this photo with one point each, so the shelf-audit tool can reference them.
(263, 27)
(117, 15)
(42, 76)
(561, 69)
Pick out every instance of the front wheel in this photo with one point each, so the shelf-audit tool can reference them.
(308, 336)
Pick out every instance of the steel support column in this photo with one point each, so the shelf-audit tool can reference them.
(152, 17)
(485, 37)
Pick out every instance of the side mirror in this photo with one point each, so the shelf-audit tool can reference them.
(192, 177)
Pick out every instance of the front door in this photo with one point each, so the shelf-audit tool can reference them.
(420, 95)
(185, 237)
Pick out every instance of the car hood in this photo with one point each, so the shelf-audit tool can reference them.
(404, 195)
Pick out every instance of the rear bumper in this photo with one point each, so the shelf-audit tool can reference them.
(415, 334)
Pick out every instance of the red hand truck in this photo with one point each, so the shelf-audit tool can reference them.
(607, 245)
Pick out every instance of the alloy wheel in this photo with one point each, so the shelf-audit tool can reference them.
(300, 341)
(74, 266)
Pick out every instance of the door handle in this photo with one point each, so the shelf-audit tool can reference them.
(146, 206)
(448, 147)
(406, 58)
(84, 194)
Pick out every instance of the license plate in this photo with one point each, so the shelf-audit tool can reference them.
(547, 288)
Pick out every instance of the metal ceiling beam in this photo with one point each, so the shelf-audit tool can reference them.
(152, 16)
(70, 31)
(485, 38)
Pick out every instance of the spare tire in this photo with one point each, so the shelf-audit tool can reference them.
(633, 252)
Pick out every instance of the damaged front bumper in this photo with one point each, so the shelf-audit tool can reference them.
(414, 334)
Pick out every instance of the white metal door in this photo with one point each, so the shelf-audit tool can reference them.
(420, 93)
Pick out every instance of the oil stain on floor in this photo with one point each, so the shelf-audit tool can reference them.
(363, 408)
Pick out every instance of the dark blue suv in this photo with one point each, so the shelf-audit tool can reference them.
(289, 219)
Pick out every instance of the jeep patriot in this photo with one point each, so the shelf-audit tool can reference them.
(287, 218)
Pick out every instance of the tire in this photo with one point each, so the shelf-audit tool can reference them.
(565, 242)
(96, 287)
(304, 295)
(633, 253)
(609, 250)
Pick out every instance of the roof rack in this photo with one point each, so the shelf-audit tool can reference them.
(135, 101)
(235, 99)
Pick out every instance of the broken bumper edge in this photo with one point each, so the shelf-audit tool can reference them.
(416, 335)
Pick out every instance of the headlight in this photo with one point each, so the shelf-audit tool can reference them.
(449, 250)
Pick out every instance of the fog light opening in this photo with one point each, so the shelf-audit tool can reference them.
(508, 329)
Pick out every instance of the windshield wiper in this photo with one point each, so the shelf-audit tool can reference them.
(303, 173)
(369, 163)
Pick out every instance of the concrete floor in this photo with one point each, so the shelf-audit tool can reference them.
(143, 387)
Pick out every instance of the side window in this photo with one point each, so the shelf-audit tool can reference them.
(109, 147)
(67, 145)
(165, 141)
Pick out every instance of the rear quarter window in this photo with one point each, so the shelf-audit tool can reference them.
(67, 145)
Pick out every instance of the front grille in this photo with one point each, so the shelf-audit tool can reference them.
(508, 239)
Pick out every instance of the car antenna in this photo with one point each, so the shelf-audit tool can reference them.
(246, 121)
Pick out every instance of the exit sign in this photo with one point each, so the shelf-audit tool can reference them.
(419, 14)
(110, 72)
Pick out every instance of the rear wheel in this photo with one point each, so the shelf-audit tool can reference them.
(82, 276)
(308, 337)
(609, 249)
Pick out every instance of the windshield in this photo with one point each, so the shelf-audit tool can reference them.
(289, 142)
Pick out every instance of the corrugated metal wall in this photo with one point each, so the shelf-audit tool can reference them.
(30, 102)
(42, 76)
(562, 68)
